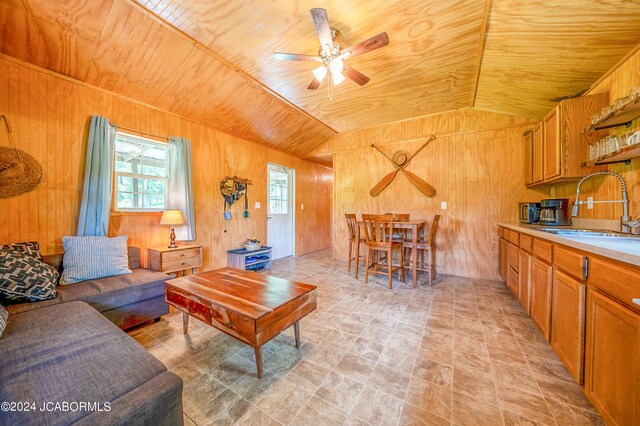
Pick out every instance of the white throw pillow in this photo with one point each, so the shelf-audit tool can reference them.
(88, 258)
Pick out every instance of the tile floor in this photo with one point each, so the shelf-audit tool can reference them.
(461, 352)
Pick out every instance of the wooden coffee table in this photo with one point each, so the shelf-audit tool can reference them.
(253, 308)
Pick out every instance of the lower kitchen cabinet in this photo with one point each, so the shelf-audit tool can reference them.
(612, 359)
(512, 281)
(524, 279)
(567, 322)
(503, 259)
(541, 280)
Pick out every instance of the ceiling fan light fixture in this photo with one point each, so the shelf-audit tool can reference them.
(336, 66)
(320, 72)
(337, 78)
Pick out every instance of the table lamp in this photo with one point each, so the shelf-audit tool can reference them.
(172, 218)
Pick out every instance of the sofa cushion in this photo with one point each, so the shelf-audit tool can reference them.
(24, 277)
(68, 352)
(3, 319)
(107, 293)
(89, 258)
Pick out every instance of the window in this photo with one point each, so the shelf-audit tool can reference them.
(141, 170)
(278, 192)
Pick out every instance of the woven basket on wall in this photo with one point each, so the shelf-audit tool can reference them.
(19, 172)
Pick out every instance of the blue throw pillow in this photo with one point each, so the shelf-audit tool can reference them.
(88, 258)
(4, 315)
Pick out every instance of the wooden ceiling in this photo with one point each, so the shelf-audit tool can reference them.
(211, 61)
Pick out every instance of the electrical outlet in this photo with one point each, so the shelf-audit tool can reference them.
(443, 205)
(589, 203)
(301, 206)
(257, 204)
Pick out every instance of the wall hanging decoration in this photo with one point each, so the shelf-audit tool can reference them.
(232, 189)
(400, 161)
(19, 171)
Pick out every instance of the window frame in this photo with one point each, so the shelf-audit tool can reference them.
(286, 204)
(116, 174)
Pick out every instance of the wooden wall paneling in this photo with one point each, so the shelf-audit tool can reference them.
(50, 116)
(479, 175)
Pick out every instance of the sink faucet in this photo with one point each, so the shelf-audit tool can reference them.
(625, 221)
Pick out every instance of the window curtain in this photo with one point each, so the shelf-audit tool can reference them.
(95, 206)
(181, 186)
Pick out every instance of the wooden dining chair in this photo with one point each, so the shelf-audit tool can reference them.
(424, 247)
(377, 233)
(400, 234)
(351, 226)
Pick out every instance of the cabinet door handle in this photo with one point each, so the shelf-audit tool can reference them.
(585, 269)
(636, 301)
(228, 323)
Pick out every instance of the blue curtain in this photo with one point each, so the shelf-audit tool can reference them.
(96, 194)
(181, 186)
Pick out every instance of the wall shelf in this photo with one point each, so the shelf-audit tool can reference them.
(621, 117)
(622, 155)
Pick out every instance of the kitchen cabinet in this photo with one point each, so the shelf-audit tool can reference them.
(503, 260)
(552, 145)
(612, 359)
(524, 278)
(558, 146)
(540, 303)
(567, 322)
(537, 172)
(588, 308)
(513, 262)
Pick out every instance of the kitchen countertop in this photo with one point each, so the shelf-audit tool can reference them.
(625, 250)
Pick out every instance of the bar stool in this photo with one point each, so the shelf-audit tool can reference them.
(426, 246)
(377, 232)
(351, 226)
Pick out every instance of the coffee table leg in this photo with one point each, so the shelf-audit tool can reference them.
(296, 329)
(185, 322)
(259, 361)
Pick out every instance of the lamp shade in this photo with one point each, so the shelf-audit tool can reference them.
(172, 217)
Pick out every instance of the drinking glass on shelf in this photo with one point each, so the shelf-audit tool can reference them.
(592, 151)
(621, 103)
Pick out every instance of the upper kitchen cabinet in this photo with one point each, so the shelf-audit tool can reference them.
(557, 148)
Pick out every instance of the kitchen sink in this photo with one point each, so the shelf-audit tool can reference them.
(587, 233)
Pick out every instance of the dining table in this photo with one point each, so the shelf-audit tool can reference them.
(415, 226)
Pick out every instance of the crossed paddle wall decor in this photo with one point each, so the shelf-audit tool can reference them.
(400, 161)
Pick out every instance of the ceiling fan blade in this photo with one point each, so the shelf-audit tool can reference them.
(355, 75)
(373, 43)
(321, 22)
(295, 57)
(314, 84)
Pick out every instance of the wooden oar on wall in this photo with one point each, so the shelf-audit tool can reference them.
(400, 165)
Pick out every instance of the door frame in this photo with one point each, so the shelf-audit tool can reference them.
(292, 202)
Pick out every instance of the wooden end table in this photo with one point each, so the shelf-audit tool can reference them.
(253, 308)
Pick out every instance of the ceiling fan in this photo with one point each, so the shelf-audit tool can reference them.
(331, 54)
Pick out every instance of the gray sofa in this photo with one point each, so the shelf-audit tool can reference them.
(70, 350)
(70, 353)
(126, 300)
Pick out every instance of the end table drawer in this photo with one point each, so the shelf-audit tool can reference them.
(180, 254)
(177, 265)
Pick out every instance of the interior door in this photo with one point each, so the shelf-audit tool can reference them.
(280, 212)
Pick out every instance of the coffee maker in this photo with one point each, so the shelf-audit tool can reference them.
(555, 212)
